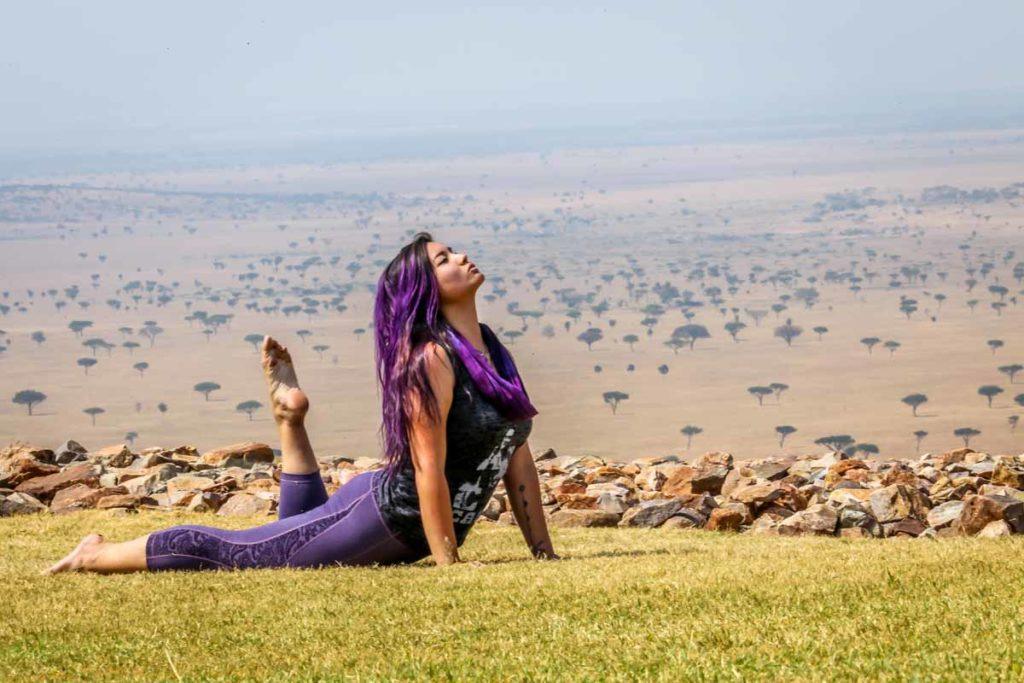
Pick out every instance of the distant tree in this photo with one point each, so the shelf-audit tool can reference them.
(86, 363)
(631, 339)
(151, 332)
(663, 369)
(93, 412)
(141, 367)
(690, 431)
(303, 334)
(130, 437)
(255, 340)
(689, 334)
(590, 336)
(995, 344)
(820, 330)
(248, 407)
(1019, 400)
(778, 388)
(162, 407)
(760, 392)
(783, 431)
(734, 327)
(77, 326)
(206, 388)
(788, 332)
(914, 401)
(919, 435)
(837, 442)
(892, 345)
(598, 368)
(1013, 420)
(864, 448)
(990, 391)
(131, 346)
(613, 398)
(320, 348)
(907, 307)
(870, 342)
(28, 398)
(1010, 370)
(966, 433)
(38, 338)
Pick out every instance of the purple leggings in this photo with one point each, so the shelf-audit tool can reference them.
(312, 530)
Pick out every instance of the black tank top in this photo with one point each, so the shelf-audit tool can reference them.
(480, 443)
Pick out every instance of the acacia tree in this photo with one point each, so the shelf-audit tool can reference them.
(990, 391)
(690, 431)
(870, 342)
(248, 407)
(28, 398)
(995, 344)
(760, 393)
(820, 330)
(892, 345)
(966, 433)
(914, 401)
(613, 398)
(837, 442)
(778, 388)
(589, 336)
(38, 338)
(1010, 370)
(86, 363)
(206, 388)
(93, 412)
(320, 348)
(783, 431)
(788, 332)
(141, 367)
(631, 339)
(689, 334)
(255, 340)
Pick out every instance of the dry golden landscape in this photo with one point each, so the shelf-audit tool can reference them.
(904, 252)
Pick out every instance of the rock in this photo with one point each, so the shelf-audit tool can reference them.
(715, 459)
(770, 470)
(206, 501)
(112, 456)
(995, 529)
(950, 457)
(979, 511)
(44, 488)
(758, 494)
(854, 532)
(19, 503)
(650, 479)
(838, 470)
(80, 497)
(603, 474)
(725, 519)
(898, 501)
(678, 482)
(583, 518)
(1005, 475)
(686, 518)
(68, 452)
(20, 462)
(189, 482)
(904, 527)
(546, 454)
(493, 509)
(610, 502)
(246, 454)
(944, 514)
(650, 513)
(819, 520)
(507, 518)
(245, 504)
(122, 500)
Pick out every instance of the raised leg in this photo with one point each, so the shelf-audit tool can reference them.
(289, 405)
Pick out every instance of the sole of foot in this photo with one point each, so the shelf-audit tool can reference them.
(73, 561)
(287, 401)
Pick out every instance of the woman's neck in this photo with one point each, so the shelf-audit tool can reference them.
(462, 316)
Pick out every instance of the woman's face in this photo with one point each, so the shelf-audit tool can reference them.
(457, 276)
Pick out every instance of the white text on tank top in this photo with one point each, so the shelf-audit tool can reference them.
(464, 506)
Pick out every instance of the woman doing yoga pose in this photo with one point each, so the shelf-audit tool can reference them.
(456, 418)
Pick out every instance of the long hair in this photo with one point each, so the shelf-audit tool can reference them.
(406, 315)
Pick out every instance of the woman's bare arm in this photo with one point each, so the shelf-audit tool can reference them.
(427, 441)
(523, 488)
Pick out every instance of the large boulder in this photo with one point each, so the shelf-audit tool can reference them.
(19, 503)
(245, 504)
(245, 454)
(897, 502)
(118, 455)
(80, 497)
(817, 520)
(979, 511)
(68, 452)
(650, 513)
(20, 462)
(44, 488)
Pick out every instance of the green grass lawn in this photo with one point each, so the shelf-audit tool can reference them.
(660, 604)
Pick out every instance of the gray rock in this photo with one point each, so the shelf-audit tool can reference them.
(21, 504)
(650, 513)
(945, 514)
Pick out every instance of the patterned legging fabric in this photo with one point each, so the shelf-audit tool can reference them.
(312, 530)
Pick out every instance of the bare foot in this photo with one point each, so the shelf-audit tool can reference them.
(74, 560)
(287, 401)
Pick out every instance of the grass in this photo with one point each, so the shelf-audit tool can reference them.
(662, 604)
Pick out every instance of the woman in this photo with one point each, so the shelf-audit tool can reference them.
(456, 421)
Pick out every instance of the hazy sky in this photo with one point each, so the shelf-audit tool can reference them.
(92, 75)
